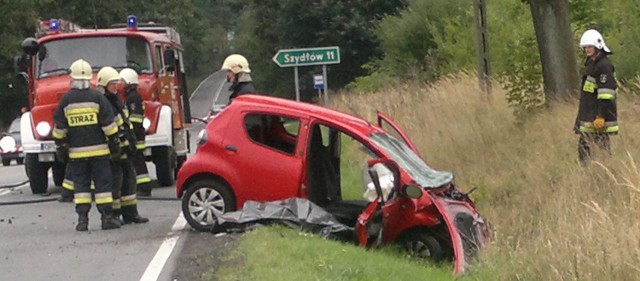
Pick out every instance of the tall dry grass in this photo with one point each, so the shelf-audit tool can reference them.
(553, 218)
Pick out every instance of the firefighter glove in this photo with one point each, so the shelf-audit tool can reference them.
(114, 147)
(598, 124)
(62, 152)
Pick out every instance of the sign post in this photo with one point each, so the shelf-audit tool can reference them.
(306, 57)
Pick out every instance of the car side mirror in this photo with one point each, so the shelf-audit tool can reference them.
(30, 46)
(170, 59)
(411, 191)
(42, 53)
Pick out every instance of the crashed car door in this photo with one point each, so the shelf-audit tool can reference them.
(388, 125)
(268, 170)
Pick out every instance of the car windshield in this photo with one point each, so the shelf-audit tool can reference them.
(116, 51)
(15, 126)
(409, 161)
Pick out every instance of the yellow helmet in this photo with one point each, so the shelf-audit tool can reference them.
(81, 70)
(236, 63)
(129, 76)
(107, 74)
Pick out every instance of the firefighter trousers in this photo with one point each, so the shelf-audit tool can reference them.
(83, 171)
(142, 179)
(124, 184)
(586, 142)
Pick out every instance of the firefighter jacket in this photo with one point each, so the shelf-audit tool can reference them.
(598, 96)
(125, 133)
(135, 107)
(241, 88)
(82, 119)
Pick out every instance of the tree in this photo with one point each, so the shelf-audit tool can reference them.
(555, 44)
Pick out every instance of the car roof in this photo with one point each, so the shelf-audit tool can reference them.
(302, 109)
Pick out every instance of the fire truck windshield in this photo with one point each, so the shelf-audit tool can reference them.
(115, 51)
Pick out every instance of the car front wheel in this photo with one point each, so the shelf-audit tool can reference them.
(423, 246)
(204, 201)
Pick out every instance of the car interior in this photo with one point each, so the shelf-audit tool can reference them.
(324, 177)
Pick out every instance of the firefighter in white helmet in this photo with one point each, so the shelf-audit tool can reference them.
(597, 114)
(85, 132)
(135, 109)
(125, 202)
(238, 73)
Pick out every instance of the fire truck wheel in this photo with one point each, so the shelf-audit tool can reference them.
(181, 160)
(203, 201)
(165, 160)
(37, 171)
(421, 245)
(58, 170)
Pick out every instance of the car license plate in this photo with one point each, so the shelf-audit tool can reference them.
(46, 157)
(49, 146)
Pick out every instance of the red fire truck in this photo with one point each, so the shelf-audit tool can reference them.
(154, 51)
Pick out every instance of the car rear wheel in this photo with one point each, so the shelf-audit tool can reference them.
(204, 201)
(6, 162)
(37, 172)
(20, 161)
(423, 246)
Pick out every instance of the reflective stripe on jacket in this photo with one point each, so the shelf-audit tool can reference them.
(82, 119)
(598, 96)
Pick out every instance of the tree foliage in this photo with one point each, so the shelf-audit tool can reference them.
(267, 26)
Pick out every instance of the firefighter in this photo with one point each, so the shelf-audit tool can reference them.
(135, 109)
(86, 134)
(597, 112)
(124, 176)
(238, 73)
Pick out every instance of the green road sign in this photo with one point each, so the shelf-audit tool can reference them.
(307, 56)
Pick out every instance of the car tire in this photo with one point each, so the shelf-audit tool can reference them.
(20, 161)
(6, 162)
(37, 172)
(165, 161)
(205, 199)
(420, 244)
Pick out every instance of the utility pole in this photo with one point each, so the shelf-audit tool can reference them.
(482, 45)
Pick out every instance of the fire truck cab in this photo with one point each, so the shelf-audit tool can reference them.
(154, 51)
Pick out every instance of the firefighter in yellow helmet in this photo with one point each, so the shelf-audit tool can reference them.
(85, 132)
(238, 73)
(125, 201)
(135, 108)
(597, 113)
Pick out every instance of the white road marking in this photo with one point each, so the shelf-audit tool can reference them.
(162, 255)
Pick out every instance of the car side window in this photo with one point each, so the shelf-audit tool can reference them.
(274, 131)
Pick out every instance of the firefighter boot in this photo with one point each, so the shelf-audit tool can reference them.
(144, 189)
(130, 215)
(117, 215)
(109, 221)
(83, 222)
(66, 196)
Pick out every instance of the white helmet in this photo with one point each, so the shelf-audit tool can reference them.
(592, 37)
(106, 75)
(129, 76)
(236, 63)
(80, 70)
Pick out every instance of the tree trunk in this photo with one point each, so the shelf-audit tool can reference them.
(555, 44)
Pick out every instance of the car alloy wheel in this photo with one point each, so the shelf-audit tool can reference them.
(204, 201)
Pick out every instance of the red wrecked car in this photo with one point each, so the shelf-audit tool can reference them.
(368, 176)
